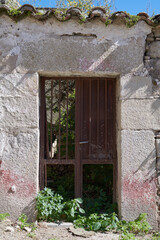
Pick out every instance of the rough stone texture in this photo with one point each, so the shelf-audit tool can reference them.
(156, 32)
(158, 147)
(154, 49)
(36, 46)
(158, 174)
(155, 68)
(30, 47)
(19, 143)
(19, 85)
(153, 53)
(32, 57)
(135, 87)
(140, 114)
(9, 229)
(138, 169)
(14, 112)
(19, 168)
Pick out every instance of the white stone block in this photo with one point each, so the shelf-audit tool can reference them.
(19, 85)
(138, 175)
(20, 154)
(135, 87)
(19, 112)
(140, 114)
(138, 151)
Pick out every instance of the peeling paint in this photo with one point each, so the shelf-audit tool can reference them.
(136, 188)
(24, 186)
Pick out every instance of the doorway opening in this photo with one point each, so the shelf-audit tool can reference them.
(97, 187)
(78, 137)
(60, 178)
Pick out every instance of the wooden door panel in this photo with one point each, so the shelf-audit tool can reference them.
(97, 126)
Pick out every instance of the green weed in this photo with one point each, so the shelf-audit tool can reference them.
(132, 20)
(127, 236)
(14, 12)
(31, 235)
(23, 220)
(3, 216)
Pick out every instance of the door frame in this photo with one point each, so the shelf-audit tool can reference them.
(78, 164)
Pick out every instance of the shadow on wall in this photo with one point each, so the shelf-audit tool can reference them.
(30, 211)
(148, 165)
(134, 86)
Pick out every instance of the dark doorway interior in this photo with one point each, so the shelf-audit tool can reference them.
(60, 178)
(97, 187)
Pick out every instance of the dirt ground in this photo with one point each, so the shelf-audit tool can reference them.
(43, 232)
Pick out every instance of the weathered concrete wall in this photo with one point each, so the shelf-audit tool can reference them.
(152, 63)
(31, 47)
(19, 143)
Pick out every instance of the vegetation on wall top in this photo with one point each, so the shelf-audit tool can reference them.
(84, 10)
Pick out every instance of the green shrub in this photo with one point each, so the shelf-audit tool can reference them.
(51, 206)
(96, 222)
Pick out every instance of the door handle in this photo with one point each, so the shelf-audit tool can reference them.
(83, 142)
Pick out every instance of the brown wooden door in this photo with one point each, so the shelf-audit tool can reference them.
(90, 105)
(96, 125)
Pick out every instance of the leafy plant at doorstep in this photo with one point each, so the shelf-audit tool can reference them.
(51, 207)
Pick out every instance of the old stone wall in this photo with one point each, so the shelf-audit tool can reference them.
(158, 174)
(31, 48)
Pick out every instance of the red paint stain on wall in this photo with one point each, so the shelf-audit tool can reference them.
(24, 186)
(136, 189)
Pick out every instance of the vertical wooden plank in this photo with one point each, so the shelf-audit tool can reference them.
(97, 118)
(106, 119)
(59, 140)
(67, 125)
(114, 118)
(90, 116)
(78, 164)
(46, 133)
(51, 117)
(101, 149)
(85, 119)
(111, 119)
(42, 133)
(94, 118)
(115, 166)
